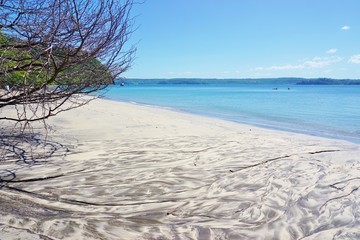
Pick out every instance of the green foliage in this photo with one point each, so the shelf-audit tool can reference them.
(10, 58)
(3, 38)
(92, 71)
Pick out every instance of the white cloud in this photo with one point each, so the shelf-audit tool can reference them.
(316, 62)
(355, 59)
(345, 28)
(283, 67)
(331, 51)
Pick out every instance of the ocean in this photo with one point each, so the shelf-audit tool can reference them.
(331, 111)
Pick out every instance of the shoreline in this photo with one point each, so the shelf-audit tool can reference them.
(126, 171)
(264, 125)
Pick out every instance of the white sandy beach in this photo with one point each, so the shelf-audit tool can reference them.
(125, 171)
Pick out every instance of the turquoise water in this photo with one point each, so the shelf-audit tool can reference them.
(328, 111)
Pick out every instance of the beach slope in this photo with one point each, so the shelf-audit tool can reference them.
(124, 171)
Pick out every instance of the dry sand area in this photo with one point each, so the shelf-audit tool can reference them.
(115, 170)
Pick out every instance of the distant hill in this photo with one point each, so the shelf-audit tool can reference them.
(271, 81)
(328, 81)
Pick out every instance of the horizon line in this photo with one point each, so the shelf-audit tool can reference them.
(249, 78)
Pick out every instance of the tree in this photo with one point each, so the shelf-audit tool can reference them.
(53, 51)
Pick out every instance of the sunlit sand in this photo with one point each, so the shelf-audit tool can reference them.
(124, 171)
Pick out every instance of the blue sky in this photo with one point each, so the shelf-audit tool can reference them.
(247, 39)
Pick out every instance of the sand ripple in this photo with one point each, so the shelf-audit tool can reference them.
(186, 188)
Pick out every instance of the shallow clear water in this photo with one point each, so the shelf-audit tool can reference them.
(329, 111)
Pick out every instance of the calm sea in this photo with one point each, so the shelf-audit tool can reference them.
(327, 111)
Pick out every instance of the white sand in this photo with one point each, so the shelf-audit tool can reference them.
(134, 172)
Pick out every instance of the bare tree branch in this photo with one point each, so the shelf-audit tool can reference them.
(53, 50)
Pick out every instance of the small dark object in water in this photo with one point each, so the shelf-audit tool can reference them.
(275, 88)
(122, 84)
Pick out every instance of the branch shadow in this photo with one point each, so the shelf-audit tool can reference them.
(20, 150)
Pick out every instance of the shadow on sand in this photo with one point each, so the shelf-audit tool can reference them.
(24, 150)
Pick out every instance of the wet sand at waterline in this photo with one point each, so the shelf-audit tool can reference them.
(123, 171)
